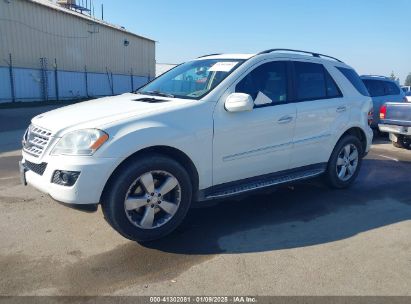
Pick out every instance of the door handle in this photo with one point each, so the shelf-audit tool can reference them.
(285, 119)
(341, 109)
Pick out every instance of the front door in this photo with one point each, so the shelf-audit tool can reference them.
(254, 143)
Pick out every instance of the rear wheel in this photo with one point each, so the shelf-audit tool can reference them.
(148, 199)
(402, 142)
(345, 162)
(397, 144)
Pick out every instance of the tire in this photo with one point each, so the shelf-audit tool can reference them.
(331, 175)
(129, 183)
(398, 145)
(402, 143)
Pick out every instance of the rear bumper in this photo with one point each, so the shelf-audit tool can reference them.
(395, 129)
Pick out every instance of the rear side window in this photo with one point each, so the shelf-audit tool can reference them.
(355, 80)
(391, 88)
(375, 87)
(314, 82)
(310, 81)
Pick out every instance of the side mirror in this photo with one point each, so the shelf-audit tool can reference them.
(239, 102)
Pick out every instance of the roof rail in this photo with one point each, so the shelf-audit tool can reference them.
(377, 76)
(298, 51)
(208, 55)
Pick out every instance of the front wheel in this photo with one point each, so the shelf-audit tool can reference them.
(345, 162)
(148, 198)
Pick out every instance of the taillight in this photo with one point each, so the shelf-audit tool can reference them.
(370, 117)
(383, 112)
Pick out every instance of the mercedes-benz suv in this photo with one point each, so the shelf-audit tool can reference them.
(213, 127)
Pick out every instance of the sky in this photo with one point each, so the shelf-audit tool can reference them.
(373, 36)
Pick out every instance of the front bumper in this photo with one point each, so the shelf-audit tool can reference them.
(94, 173)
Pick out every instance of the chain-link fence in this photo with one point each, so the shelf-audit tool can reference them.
(49, 83)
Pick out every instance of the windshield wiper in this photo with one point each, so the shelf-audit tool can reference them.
(158, 93)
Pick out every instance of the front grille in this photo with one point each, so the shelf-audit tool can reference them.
(36, 168)
(35, 140)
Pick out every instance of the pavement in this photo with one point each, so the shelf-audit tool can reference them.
(303, 239)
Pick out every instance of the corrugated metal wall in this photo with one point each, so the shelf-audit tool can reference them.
(72, 45)
(28, 85)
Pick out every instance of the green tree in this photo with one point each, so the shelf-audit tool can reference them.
(393, 77)
(408, 80)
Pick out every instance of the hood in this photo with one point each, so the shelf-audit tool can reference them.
(102, 111)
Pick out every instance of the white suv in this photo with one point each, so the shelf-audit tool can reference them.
(210, 128)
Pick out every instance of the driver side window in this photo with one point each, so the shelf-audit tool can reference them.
(266, 84)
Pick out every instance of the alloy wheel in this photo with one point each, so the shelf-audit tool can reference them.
(347, 162)
(153, 199)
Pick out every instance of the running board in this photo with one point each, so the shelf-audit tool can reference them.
(265, 181)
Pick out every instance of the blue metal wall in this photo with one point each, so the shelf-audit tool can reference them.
(28, 84)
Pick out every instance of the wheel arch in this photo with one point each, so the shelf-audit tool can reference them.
(183, 159)
(359, 133)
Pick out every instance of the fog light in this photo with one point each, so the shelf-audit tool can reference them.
(65, 178)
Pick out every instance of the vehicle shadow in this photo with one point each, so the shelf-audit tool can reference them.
(301, 215)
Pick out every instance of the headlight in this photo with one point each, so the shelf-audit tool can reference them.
(81, 142)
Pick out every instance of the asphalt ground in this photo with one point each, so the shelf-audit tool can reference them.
(304, 239)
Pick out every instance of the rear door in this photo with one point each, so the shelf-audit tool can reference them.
(320, 110)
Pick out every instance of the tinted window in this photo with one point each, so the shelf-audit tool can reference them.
(391, 88)
(269, 79)
(375, 87)
(355, 80)
(310, 81)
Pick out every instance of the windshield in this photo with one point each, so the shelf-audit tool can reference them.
(191, 80)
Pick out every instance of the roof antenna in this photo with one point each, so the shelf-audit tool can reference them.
(102, 11)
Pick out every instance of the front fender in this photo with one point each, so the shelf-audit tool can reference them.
(196, 144)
